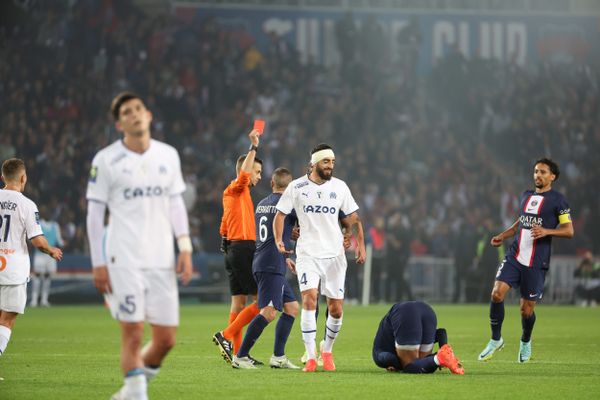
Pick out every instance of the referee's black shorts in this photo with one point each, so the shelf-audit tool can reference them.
(238, 264)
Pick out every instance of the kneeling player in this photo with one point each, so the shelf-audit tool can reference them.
(405, 339)
(274, 293)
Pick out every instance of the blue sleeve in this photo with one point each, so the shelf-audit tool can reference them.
(563, 210)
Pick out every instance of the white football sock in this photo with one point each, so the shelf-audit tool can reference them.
(45, 290)
(136, 387)
(332, 328)
(150, 372)
(308, 324)
(35, 290)
(4, 338)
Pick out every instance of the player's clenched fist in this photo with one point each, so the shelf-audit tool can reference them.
(496, 241)
(253, 135)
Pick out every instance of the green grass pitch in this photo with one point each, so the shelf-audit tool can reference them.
(72, 353)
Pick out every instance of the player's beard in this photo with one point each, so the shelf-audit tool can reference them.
(324, 174)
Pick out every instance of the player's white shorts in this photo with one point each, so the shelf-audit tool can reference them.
(331, 272)
(13, 298)
(43, 264)
(144, 295)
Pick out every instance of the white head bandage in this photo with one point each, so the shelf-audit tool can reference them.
(321, 154)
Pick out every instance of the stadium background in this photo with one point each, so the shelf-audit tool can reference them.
(436, 110)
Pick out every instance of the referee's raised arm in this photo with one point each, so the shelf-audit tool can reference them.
(238, 232)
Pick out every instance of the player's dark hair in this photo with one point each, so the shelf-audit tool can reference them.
(11, 169)
(282, 177)
(319, 147)
(240, 161)
(551, 164)
(119, 100)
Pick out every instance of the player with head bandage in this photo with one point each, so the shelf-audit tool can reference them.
(318, 199)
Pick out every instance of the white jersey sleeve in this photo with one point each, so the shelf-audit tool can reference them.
(99, 180)
(178, 184)
(286, 201)
(349, 205)
(31, 219)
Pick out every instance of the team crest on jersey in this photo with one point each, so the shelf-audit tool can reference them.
(533, 204)
(332, 195)
(93, 174)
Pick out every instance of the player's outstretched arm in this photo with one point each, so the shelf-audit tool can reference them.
(355, 224)
(42, 245)
(510, 232)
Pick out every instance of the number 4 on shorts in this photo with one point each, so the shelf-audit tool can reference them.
(303, 279)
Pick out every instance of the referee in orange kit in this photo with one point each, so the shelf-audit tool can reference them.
(238, 232)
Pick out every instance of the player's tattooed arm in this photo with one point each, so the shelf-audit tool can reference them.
(510, 232)
(353, 222)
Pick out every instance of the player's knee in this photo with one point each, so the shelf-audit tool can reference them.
(269, 313)
(526, 310)
(335, 311)
(291, 308)
(309, 302)
(497, 296)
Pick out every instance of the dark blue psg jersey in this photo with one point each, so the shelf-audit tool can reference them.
(266, 257)
(548, 209)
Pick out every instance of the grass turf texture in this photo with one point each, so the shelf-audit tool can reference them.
(72, 353)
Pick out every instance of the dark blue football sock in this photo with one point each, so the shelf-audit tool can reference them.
(424, 365)
(496, 319)
(527, 324)
(282, 332)
(255, 329)
(441, 337)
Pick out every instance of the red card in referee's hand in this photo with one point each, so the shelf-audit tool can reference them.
(259, 125)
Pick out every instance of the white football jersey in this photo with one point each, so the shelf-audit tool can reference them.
(19, 220)
(318, 208)
(137, 189)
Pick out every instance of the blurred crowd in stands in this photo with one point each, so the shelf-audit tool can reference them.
(436, 163)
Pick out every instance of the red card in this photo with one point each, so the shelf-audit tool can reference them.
(259, 125)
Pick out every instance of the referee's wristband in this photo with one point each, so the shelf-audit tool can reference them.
(253, 147)
(184, 243)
